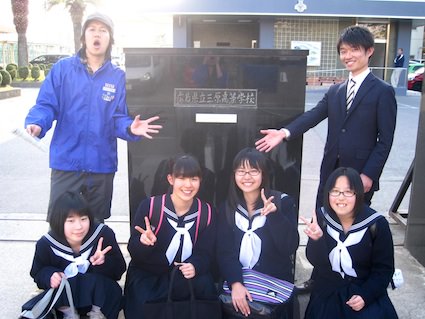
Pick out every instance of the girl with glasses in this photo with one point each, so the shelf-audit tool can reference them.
(256, 228)
(351, 247)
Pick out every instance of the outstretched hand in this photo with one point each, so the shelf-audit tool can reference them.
(313, 229)
(272, 138)
(268, 205)
(99, 256)
(144, 127)
(147, 236)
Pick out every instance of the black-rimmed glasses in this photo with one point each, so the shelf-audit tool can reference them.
(252, 172)
(336, 193)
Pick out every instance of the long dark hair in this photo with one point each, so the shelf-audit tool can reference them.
(255, 159)
(355, 183)
(66, 204)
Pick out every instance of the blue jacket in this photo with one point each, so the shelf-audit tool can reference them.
(90, 113)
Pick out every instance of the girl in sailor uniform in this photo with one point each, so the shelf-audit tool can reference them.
(253, 231)
(171, 230)
(351, 247)
(84, 252)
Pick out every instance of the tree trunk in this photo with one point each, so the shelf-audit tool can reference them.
(22, 49)
(20, 19)
(77, 11)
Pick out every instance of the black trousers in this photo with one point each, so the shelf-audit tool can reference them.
(96, 188)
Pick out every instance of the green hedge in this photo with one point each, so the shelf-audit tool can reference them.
(6, 78)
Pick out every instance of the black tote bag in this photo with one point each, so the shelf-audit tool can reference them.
(182, 309)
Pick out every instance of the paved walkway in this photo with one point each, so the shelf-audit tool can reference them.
(24, 176)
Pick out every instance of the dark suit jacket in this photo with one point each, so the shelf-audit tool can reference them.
(361, 138)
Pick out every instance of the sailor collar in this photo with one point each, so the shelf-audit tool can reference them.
(189, 216)
(86, 245)
(363, 220)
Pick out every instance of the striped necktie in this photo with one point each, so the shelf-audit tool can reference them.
(350, 94)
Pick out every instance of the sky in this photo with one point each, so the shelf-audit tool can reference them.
(133, 27)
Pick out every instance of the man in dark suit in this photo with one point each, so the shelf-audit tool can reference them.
(398, 68)
(361, 115)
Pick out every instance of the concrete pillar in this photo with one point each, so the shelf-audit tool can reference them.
(180, 32)
(266, 40)
(415, 231)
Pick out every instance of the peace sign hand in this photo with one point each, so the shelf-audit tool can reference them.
(269, 206)
(99, 256)
(313, 229)
(147, 236)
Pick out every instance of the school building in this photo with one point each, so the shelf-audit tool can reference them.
(308, 24)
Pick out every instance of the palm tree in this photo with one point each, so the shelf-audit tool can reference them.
(20, 19)
(76, 9)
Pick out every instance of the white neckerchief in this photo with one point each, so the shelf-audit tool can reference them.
(250, 249)
(78, 264)
(175, 241)
(339, 257)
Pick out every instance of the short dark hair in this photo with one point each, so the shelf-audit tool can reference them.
(355, 182)
(66, 204)
(186, 166)
(255, 159)
(356, 36)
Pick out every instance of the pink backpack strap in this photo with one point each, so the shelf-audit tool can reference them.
(162, 214)
(209, 214)
(198, 220)
(151, 208)
(151, 212)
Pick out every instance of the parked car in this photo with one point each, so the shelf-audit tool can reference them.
(143, 72)
(415, 82)
(413, 66)
(48, 58)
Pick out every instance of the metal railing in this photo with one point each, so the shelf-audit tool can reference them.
(397, 77)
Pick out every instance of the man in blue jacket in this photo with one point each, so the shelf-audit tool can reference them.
(85, 95)
(361, 115)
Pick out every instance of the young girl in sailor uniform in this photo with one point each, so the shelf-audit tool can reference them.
(84, 252)
(351, 248)
(171, 230)
(256, 228)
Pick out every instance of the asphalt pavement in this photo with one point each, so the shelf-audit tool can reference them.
(24, 181)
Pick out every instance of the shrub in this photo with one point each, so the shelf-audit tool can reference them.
(42, 66)
(13, 73)
(6, 78)
(1, 77)
(23, 72)
(11, 66)
(35, 72)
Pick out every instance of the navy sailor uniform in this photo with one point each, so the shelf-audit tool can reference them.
(177, 241)
(359, 262)
(90, 285)
(263, 243)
